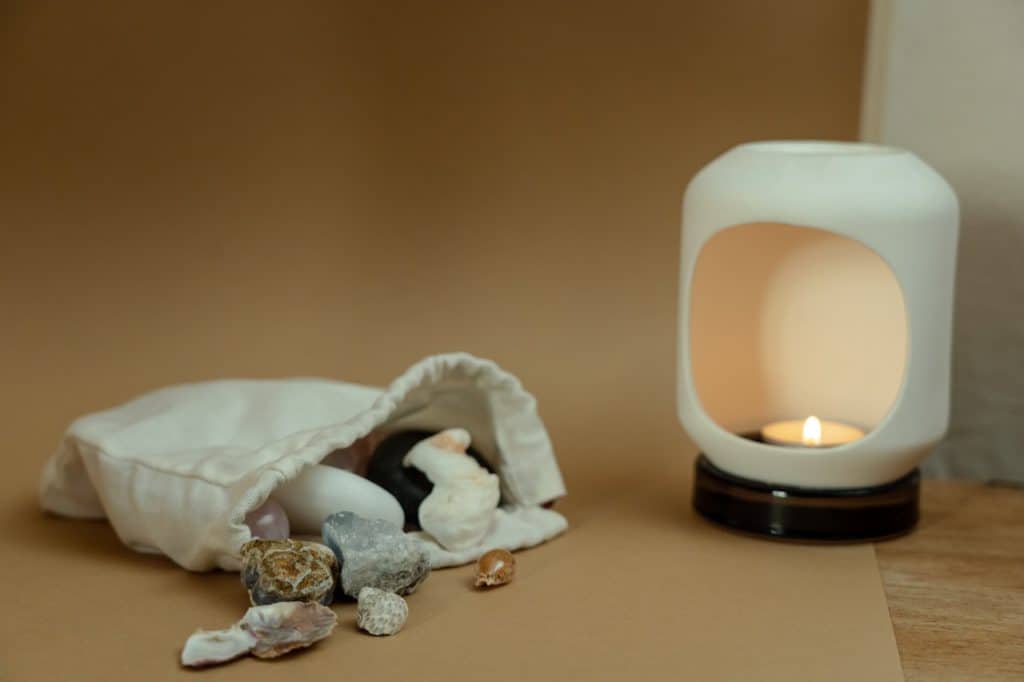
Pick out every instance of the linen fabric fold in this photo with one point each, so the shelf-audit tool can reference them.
(176, 470)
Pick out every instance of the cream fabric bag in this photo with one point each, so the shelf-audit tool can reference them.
(175, 471)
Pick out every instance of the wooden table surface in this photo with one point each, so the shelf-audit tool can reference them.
(955, 585)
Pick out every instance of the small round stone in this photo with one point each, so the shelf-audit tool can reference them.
(381, 612)
(496, 567)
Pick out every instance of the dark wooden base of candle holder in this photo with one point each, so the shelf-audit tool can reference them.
(810, 514)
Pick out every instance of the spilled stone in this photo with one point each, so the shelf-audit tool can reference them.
(288, 570)
(264, 631)
(374, 553)
(380, 612)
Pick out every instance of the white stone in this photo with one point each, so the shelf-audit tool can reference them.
(319, 491)
(459, 511)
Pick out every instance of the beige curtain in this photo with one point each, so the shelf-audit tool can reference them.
(945, 78)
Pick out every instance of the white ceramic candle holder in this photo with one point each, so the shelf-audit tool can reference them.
(816, 279)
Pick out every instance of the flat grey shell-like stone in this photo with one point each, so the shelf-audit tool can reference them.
(266, 631)
(374, 553)
(210, 647)
(284, 626)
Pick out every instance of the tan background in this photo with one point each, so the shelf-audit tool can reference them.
(199, 190)
(337, 190)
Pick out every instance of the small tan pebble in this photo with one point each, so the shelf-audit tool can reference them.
(496, 567)
(381, 612)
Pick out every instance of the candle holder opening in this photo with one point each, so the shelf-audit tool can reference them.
(791, 321)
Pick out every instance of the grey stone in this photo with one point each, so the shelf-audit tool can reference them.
(374, 553)
(380, 612)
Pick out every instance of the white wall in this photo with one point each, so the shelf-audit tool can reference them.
(945, 78)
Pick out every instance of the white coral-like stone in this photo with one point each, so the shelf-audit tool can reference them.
(460, 509)
(265, 631)
(381, 612)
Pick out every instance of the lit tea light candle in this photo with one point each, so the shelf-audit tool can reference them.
(810, 433)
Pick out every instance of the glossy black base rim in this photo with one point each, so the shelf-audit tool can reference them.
(809, 514)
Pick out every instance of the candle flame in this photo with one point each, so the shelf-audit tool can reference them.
(812, 431)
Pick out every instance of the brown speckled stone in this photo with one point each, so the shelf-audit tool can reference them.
(288, 570)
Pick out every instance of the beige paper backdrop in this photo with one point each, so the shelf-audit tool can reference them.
(200, 190)
(209, 190)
